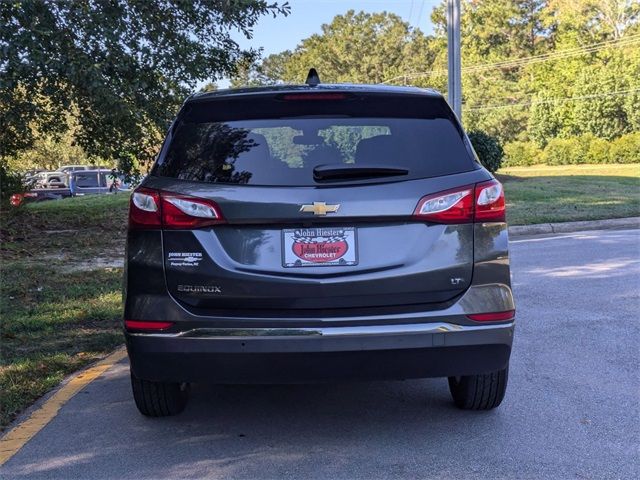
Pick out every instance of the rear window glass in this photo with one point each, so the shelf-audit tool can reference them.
(86, 180)
(294, 137)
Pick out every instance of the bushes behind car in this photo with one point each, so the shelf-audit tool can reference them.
(10, 183)
(574, 151)
(488, 148)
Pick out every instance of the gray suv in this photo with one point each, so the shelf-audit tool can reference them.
(317, 232)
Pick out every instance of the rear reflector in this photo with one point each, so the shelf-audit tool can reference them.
(146, 325)
(492, 317)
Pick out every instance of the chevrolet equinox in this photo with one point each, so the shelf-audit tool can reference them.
(316, 232)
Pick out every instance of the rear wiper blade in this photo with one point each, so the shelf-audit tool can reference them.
(347, 171)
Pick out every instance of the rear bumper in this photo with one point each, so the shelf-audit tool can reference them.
(267, 355)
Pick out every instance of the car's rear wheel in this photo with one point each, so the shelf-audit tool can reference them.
(479, 392)
(158, 399)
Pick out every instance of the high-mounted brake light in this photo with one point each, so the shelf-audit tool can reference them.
(315, 96)
(493, 316)
(483, 202)
(146, 325)
(155, 209)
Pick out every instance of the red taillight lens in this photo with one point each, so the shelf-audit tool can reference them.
(483, 202)
(493, 316)
(16, 199)
(490, 205)
(451, 206)
(146, 325)
(144, 209)
(154, 209)
(179, 211)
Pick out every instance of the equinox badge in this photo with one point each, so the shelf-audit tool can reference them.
(319, 208)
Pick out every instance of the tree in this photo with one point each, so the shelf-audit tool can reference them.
(268, 71)
(602, 114)
(124, 65)
(354, 47)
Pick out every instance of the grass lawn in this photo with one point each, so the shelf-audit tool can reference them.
(71, 229)
(55, 317)
(541, 194)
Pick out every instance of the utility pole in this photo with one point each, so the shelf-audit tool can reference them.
(453, 50)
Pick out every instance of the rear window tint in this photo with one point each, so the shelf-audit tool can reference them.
(86, 180)
(272, 142)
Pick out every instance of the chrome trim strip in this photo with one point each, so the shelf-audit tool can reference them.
(298, 333)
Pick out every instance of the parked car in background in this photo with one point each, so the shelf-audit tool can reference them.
(75, 168)
(39, 195)
(75, 183)
(86, 182)
(50, 180)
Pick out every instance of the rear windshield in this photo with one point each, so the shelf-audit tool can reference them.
(281, 142)
(86, 180)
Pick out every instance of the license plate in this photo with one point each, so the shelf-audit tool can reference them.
(319, 247)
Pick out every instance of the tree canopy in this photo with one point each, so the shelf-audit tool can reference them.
(121, 67)
(532, 70)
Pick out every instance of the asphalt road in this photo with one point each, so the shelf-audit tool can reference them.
(572, 408)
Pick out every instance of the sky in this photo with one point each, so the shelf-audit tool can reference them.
(307, 16)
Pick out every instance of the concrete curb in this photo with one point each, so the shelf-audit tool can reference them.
(566, 227)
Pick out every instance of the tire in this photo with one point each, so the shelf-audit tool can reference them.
(479, 392)
(158, 399)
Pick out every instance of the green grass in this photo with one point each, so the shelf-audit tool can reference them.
(542, 194)
(77, 228)
(56, 318)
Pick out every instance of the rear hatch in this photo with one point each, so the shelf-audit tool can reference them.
(312, 200)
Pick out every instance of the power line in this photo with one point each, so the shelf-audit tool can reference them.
(570, 52)
(554, 100)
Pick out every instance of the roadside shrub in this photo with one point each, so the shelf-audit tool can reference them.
(565, 151)
(597, 150)
(488, 148)
(521, 154)
(10, 183)
(625, 149)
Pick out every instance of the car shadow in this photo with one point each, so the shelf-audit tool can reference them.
(235, 430)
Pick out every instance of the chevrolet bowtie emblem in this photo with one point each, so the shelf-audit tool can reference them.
(319, 208)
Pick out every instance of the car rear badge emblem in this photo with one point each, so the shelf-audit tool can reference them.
(319, 208)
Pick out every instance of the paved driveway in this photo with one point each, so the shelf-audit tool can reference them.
(572, 408)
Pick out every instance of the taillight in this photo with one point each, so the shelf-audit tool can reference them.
(490, 205)
(144, 209)
(483, 202)
(451, 206)
(16, 199)
(493, 316)
(180, 211)
(156, 209)
(146, 325)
